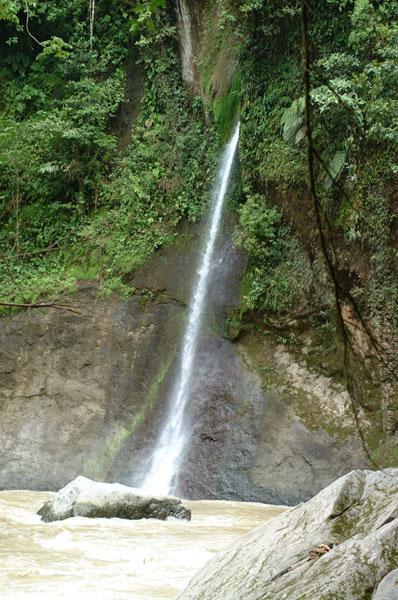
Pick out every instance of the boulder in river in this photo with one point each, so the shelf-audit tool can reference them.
(83, 497)
(342, 544)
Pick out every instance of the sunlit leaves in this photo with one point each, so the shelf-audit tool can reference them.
(9, 9)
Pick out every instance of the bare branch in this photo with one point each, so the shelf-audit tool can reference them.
(27, 26)
(54, 305)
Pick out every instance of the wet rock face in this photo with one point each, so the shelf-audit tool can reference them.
(88, 394)
(78, 385)
(85, 498)
(340, 544)
(190, 14)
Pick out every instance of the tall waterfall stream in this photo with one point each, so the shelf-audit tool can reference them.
(167, 454)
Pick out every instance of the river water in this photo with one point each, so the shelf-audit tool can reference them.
(112, 559)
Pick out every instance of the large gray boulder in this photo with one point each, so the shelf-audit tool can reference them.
(337, 546)
(85, 498)
(388, 588)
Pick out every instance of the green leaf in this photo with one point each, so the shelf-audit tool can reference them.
(293, 119)
(335, 168)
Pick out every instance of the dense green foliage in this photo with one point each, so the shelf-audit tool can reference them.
(354, 83)
(74, 202)
(280, 271)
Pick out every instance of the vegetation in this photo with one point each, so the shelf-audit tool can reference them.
(354, 75)
(78, 201)
(73, 204)
(328, 251)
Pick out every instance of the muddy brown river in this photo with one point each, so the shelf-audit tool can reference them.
(112, 559)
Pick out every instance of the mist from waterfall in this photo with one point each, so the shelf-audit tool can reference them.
(168, 452)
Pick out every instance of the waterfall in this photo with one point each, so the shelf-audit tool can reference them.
(184, 21)
(167, 454)
(91, 11)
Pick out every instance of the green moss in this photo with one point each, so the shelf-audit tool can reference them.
(212, 49)
(387, 454)
(218, 69)
(99, 467)
(259, 350)
(226, 108)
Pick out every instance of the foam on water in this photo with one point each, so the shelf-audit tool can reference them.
(112, 559)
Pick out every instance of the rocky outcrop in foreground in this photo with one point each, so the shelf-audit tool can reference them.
(388, 588)
(340, 545)
(85, 498)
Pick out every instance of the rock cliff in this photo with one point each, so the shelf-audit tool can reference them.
(86, 394)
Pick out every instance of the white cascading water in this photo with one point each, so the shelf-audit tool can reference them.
(91, 10)
(169, 449)
(184, 23)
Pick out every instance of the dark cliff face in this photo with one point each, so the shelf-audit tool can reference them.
(87, 394)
